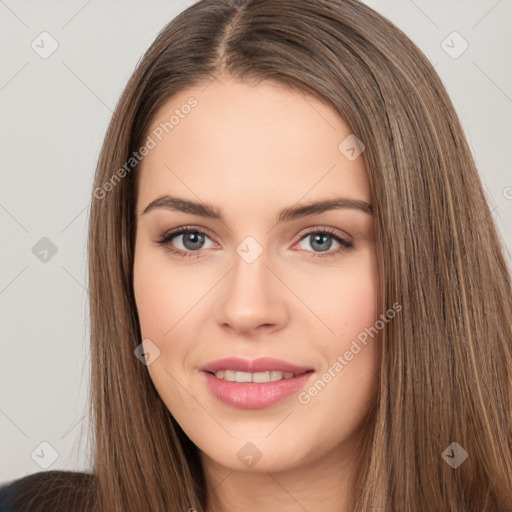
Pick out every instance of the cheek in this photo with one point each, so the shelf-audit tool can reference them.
(356, 305)
(342, 393)
(344, 299)
(161, 299)
(161, 294)
(357, 340)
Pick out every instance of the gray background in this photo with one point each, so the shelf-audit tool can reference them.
(55, 112)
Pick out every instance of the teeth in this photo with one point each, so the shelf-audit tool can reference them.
(234, 376)
(261, 377)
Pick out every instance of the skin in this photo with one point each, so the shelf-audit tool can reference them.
(252, 150)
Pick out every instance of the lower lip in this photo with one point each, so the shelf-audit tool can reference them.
(250, 395)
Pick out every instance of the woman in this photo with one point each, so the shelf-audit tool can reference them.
(299, 299)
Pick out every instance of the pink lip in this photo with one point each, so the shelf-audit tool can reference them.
(250, 395)
(263, 364)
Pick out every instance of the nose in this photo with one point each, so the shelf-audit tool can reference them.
(252, 298)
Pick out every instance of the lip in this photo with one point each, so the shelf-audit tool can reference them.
(251, 395)
(262, 364)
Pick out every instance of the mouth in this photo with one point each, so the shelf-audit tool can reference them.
(254, 384)
(261, 365)
(257, 377)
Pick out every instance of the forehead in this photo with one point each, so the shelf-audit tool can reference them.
(249, 145)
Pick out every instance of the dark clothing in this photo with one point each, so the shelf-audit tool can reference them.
(46, 491)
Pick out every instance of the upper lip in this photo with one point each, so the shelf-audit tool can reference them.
(262, 364)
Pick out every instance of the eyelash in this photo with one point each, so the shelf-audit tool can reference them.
(165, 241)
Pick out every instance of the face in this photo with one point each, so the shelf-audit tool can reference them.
(257, 275)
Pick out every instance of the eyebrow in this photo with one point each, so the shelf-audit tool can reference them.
(287, 214)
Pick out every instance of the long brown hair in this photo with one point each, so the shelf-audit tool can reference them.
(445, 372)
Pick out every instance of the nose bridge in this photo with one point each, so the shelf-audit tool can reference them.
(250, 297)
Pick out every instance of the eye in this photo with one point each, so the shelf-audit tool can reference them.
(321, 240)
(193, 240)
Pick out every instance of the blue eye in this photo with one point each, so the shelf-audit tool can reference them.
(322, 240)
(193, 241)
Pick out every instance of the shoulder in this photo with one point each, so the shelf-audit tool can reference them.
(47, 491)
